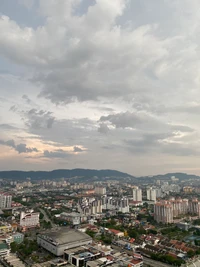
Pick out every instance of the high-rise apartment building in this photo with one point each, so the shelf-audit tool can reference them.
(163, 212)
(100, 190)
(166, 210)
(5, 201)
(151, 194)
(137, 194)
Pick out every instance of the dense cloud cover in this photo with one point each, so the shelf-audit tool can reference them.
(100, 84)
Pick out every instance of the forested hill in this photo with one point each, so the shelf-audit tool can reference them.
(56, 174)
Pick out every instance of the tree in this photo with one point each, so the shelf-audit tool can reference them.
(132, 233)
(191, 253)
(90, 233)
(13, 247)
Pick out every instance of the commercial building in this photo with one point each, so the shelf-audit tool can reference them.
(5, 201)
(72, 217)
(18, 237)
(137, 194)
(151, 194)
(97, 255)
(57, 242)
(29, 219)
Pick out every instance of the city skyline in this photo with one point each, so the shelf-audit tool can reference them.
(100, 84)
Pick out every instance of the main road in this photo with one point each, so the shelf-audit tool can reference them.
(146, 261)
(46, 217)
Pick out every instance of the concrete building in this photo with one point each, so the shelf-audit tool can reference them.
(4, 249)
(151, 194)
(5, 201)
(123, 205)
(29, 220)
(18, 238)
(100, 190)
(163, 212)
(137, 194)
(90, 206)
(166, 211)
(57, 242)
(5, 228)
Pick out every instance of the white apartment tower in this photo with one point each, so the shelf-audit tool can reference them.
(151, 194)
(100, 190)
(5, 201)
(137, 194)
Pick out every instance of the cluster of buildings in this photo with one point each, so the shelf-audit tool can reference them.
(92, 206)
(153, 193)
(115, 203)
(78, 249)
(89, 206)
(166, 211)
(8, 235)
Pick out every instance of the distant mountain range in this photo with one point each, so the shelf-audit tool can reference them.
(89, 175)
(56, 174)
(180, 175)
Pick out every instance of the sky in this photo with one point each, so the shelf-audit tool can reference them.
(100, 84)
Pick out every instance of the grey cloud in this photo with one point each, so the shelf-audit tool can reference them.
(122, 120)
(146, 143)
(191, 109)
(26, 98)
(182, 128)
(180, 149)
(20, 148)
(135, 120)
(13, 108)
(37, 119)
(56, 154)
(103, 128)
(160, 143)
(77, 149)
(7, 126)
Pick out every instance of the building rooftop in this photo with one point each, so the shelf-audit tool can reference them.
(65, 236)
(3, 246)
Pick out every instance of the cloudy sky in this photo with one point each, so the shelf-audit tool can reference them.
(100, 84)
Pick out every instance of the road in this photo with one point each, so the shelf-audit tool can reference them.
(150, 262)
(146, 261)
(46, 218)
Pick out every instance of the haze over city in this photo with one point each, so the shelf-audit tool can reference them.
(100, 84)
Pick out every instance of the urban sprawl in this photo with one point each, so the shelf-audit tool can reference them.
(105, 222)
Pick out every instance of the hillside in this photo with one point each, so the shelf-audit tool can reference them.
(56, 174)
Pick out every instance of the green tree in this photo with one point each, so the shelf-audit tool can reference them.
(14, 247)
(190, 253)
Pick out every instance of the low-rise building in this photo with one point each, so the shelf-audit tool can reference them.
(18, 238)
(29, 219)
(4, 249)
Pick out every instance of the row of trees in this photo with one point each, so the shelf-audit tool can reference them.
(26, 248)
(167, 259)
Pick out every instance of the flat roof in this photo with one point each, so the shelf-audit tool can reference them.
(3, 246)
(65, 236)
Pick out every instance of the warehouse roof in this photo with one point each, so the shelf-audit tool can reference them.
(65, 236)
